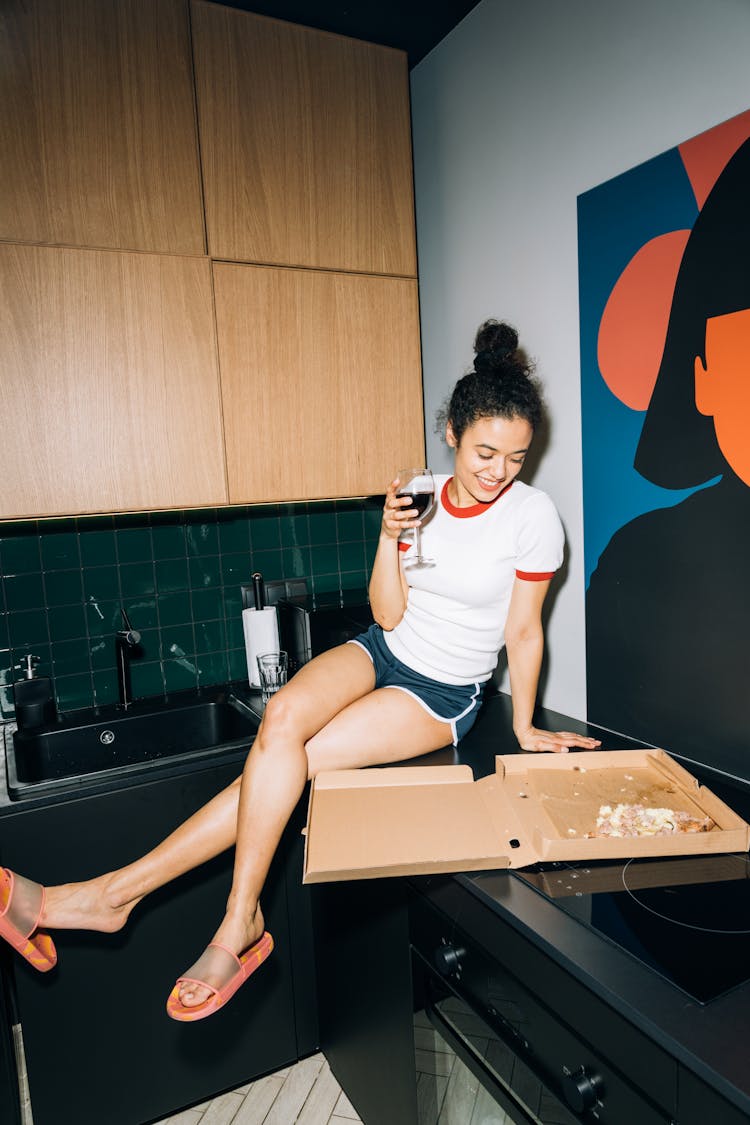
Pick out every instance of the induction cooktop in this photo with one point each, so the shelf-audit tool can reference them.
(688, 918)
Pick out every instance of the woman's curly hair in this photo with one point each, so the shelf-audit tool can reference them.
(501, 384)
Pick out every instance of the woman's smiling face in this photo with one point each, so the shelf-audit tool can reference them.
(489, 457)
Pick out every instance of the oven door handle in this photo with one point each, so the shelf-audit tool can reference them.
(470, 1058)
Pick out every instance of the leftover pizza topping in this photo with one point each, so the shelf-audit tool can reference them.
(640, 820)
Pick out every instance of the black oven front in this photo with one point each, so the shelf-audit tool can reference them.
(490, 1051)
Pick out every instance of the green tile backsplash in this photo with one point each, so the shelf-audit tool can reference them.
(177, 574)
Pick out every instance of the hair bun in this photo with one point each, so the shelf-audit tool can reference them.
(494, 343)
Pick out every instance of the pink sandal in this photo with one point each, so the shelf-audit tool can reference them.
(21, 907)
(220, 970)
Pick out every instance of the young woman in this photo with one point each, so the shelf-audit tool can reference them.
(410, 685)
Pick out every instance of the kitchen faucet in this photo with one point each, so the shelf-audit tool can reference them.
(126, 640)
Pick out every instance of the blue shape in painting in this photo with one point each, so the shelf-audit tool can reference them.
(614, 221)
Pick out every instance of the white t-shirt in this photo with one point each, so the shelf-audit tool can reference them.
(454, 624)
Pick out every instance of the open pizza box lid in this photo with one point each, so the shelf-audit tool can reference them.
(423, 820)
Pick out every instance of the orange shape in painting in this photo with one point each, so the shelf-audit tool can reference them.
(634, 323)
(706, 155)
(722, 389)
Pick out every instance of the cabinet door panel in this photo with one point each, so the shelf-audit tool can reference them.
(306, 145)
(98, 130)
(321, 381)
(100, 1047)
(110, 378)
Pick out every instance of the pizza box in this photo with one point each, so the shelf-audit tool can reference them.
(425, 820)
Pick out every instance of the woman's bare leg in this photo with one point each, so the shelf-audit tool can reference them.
(105, 903)
(380, 726)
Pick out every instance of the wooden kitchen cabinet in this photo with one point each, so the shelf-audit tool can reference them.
(110, 383)
(98, 134)
(321, 381)
(306, 145)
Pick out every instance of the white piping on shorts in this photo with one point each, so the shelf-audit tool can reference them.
(365, 650)
(440, 718)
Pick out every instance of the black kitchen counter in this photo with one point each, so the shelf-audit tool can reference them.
(709, 1040)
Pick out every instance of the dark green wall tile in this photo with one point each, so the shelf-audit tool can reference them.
(177, 677)
(149, 647)
(296, 562)
(237, 664)
(235, 635)
(268, 563)
(207, 604)
(137, 579)
(66, 622)
(4, 634)
(146, 679)
(236, 569)
(20, 553)
(174, 609)
(202, 539)
(205, 571)
(134, 544)
(171, 575)
(349, 526)
(103, 618)
(324, 559)
(265, 533)
(354, 580)
(234, 533)
(101, 583)
(326, 583)
(294, 529)
(105, 687)
(213, 668)
(210, 636)
(60, 549)
(177, 642)
(98, 548)
(169, 541)
(63, 587)
(28, 628)
(351, 556)
(70, 658)
(323, 525)
(102, 652)
(24, 591)
(372, 518)
(73, 692)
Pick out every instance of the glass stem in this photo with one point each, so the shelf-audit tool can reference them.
(418, 541)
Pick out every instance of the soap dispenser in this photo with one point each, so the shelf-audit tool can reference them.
(35, 703)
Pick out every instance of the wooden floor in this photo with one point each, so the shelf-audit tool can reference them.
(303, 1094)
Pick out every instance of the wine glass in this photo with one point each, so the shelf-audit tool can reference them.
(419, 486)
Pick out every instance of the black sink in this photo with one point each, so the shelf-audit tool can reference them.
(94, 743)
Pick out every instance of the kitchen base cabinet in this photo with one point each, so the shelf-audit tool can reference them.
(365, 995)
(99, 1044)
(9, 1091)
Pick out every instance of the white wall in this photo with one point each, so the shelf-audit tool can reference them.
(524, 106)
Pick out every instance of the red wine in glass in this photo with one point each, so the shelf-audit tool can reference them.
(419, 486)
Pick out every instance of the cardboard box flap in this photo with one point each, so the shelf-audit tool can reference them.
(365, 824)
(536, 807)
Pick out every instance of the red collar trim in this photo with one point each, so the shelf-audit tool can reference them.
(473, 509)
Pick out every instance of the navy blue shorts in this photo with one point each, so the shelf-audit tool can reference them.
(455, 704)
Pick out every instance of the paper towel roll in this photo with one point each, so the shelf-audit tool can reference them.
(261, 629)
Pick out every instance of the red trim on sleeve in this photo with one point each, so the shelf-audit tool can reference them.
(403, 546)
(534, 576)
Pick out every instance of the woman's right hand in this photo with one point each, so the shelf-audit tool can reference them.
(398, 514)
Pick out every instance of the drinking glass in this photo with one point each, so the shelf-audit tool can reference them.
(419, 486)
(272, 669)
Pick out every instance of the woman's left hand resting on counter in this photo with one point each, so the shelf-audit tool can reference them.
(559, 742)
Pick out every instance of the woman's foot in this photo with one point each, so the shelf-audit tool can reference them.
(98, 904)
(237, 934)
